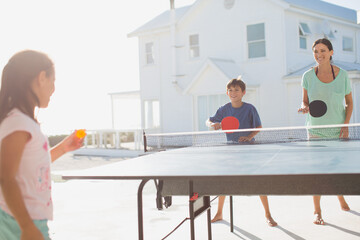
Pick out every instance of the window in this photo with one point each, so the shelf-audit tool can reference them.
(194, 46)
(207, 106)
(152, 113)
(348, 44)
(304, 31)
(302, 40)
(149, 52)
(256, 40)
(305, 28)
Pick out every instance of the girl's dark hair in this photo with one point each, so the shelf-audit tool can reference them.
(324, 41)
(17, 77)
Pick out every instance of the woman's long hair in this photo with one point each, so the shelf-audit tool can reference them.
(16, 82)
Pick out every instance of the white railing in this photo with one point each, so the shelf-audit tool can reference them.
(114, 138)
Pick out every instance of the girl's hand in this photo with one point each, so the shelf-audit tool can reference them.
(31, 233)
(72, 142)
(344, 132)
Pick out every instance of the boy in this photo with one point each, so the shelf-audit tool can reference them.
(248, 118)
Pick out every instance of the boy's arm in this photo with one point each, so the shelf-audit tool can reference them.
(253, 134)
(249, 137)
(210, 124)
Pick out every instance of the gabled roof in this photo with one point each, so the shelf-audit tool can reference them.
(348, 66)
(325, 8)
(162, 21)
(226, 67)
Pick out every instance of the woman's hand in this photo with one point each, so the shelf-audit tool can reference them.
(344, 132)
(303, 109)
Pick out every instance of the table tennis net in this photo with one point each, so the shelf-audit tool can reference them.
(165, 141)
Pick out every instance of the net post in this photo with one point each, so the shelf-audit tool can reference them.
(144, 138)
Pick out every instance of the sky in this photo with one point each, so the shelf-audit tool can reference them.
(87, 40)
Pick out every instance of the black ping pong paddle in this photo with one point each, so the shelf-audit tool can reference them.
(317, 108)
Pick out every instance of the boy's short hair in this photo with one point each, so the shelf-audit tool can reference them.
(236, 82)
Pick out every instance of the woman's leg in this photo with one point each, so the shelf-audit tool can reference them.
(317, 211)
(270, 221)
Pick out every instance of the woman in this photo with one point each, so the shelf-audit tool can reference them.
(330, 84)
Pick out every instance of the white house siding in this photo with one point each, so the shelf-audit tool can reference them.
(356, 92)
(156, 84)
(297, 57)
(268, 71)
(356, 95)
(223, 36)
(294, 96)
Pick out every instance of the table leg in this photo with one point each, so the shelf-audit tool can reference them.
(231, 215)
(191, 211)
(140, 209)
(209, 223)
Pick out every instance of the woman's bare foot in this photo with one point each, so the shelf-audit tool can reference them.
(271, 222)
(318, 219)
(218, 217)
(345, 206)
(343, 203)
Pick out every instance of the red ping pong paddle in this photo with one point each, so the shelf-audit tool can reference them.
(230, 123)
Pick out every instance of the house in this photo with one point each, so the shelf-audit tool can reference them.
(187, 55)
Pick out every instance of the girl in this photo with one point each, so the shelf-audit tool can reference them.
(25, 197)
(330, 84)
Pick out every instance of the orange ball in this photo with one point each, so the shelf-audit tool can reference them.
(81, 133)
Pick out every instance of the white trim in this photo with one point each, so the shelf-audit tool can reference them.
(322, 16)
(192, 9)
(259, 129)
(280, 3)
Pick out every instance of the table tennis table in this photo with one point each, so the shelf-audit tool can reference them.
(292, 168)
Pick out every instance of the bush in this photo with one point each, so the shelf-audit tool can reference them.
(53, 140)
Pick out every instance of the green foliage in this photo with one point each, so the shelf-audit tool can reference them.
(53, 140)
